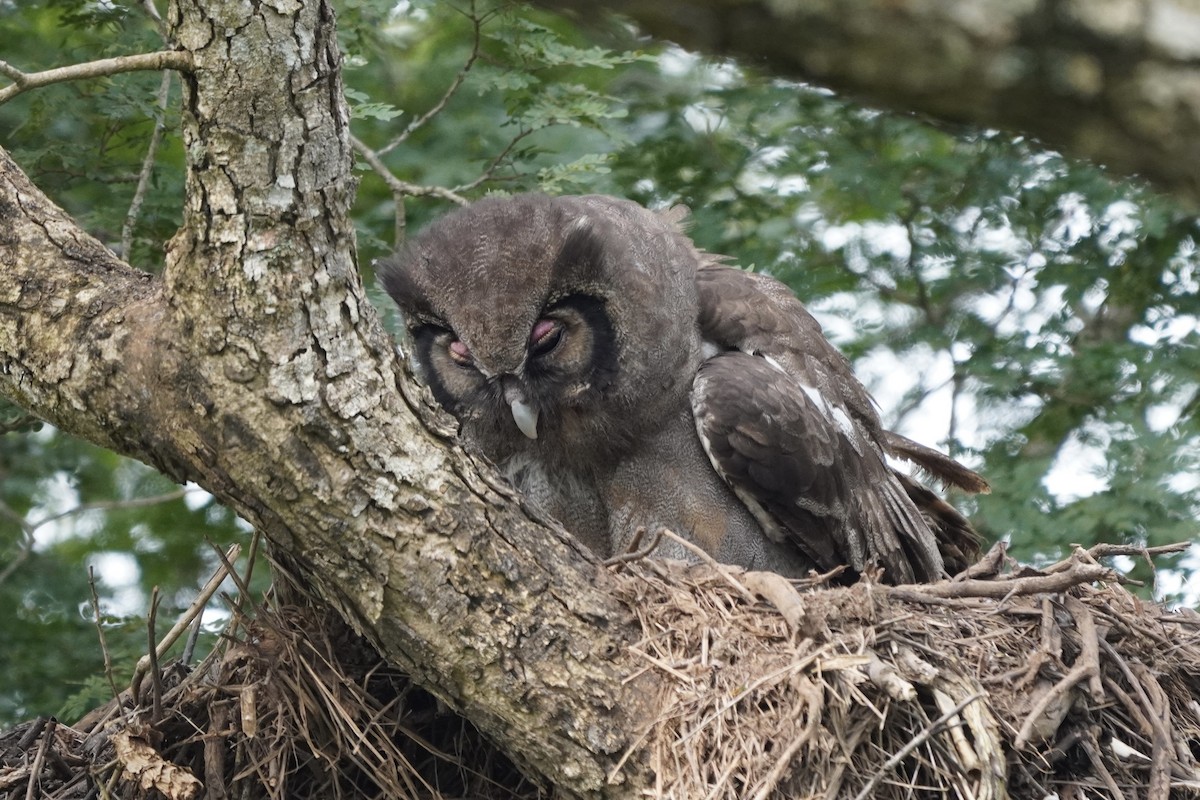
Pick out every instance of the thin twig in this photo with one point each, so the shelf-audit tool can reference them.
(1076, 574)
(1049, 647)
(117, 505)
(1161, 747)
(638, 554)
(1068, 682)
(1104, 550)
(27, 541)
(143, 184)
(1143, 683)
(912, 745)
(108, 667)
(29, 529)
(242, 586)
(244, 581)
(1092, 748)
(35, 772)
(1089, 644)
(419, 122)
(401, 189)
(193, 611)
(986, 567)
(490, 170)
(152, 651)
(189, 647)
(24, 81)
(721, 569)
(811, 707)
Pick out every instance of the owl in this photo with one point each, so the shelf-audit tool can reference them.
(627, 381)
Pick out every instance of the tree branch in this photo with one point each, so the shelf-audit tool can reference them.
(402, 189)
(1112, 82)
(23, 82)
(477, 22)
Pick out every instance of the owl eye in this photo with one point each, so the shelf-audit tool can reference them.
(460, 354)
(544, 337)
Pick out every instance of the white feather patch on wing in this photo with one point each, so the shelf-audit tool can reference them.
(835, 413)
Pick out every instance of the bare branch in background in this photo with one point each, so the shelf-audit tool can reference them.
(29, 529)
(477, 23)
(401, 189)
(22, 81)
(489, 172)
(143, 184)
(152, 12)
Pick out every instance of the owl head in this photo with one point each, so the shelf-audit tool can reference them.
(550, 324)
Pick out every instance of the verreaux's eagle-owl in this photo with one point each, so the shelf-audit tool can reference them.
(625, 380)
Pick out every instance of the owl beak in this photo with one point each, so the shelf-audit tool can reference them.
(525, 417)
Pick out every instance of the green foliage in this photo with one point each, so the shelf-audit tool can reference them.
(533, 109)
(84, 142)
(1021, 310)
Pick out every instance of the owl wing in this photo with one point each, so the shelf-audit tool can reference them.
(789, 427)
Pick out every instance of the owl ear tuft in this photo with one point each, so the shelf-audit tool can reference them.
(395, 275)
(581, 253)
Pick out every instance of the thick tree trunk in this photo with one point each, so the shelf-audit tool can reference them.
(1113, 80)
(256, 367)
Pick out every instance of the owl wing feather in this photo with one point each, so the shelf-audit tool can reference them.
(806, 477)
(789, 427)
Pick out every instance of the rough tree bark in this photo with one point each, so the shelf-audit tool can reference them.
(1113, 80)
(256, 367)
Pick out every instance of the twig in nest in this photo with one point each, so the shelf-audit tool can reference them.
(1087, 666)
(780, 593)
(108, 665)
(912, 745)
(1075, 573)
(152, 652)
(1049, 646)
(1054, 694)
(193, 611)
(810, 708)
(35, 730)
(1092, 748)
(885, 677)
(1154, 723)
(1089, 644)
(633, 552)
(1160, 721)
(720, 568)
(35, 771)
(1104, 550)
(986, 567)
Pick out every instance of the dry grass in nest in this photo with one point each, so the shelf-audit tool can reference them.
(1031, 684)
(1026, 684)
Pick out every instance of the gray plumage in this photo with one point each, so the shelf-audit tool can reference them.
(625, 380)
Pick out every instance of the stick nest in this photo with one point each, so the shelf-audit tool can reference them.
(1030, 684)
(1022, 684)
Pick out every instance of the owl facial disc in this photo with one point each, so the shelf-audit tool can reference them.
(525, 417)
